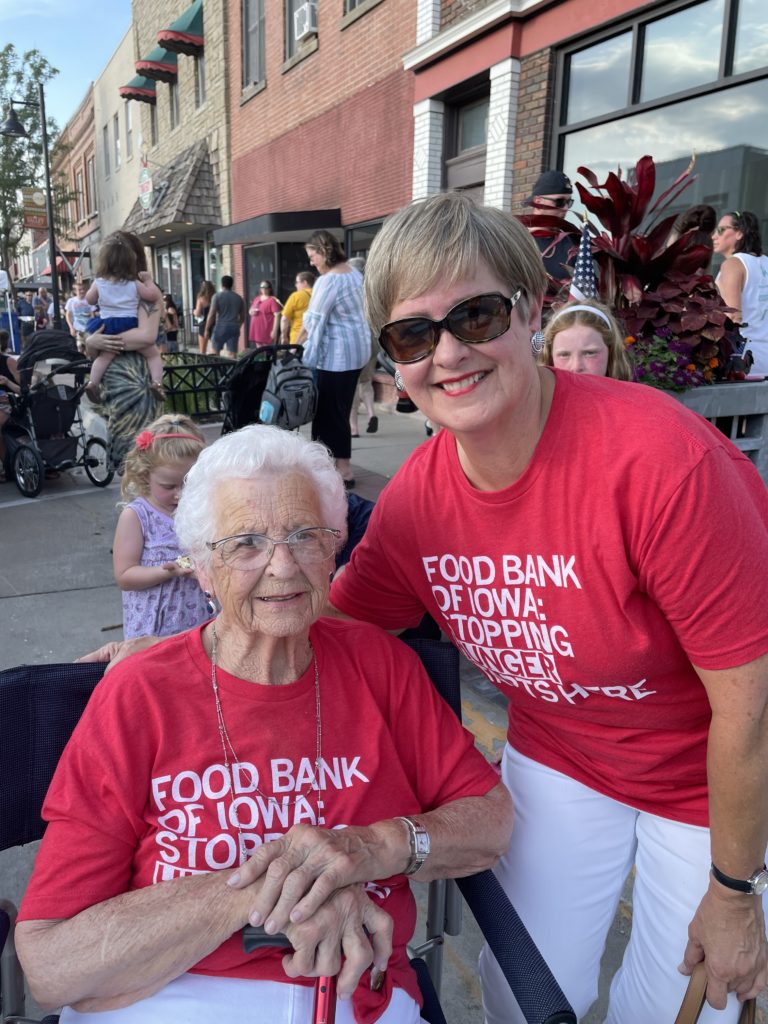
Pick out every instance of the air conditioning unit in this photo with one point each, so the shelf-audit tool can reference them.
(305, 21)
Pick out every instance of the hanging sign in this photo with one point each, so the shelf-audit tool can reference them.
(33, 208)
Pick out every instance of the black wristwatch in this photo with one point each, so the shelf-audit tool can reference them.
(755, 885)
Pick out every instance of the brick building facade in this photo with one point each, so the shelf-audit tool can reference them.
(504, 89)
(321, 132)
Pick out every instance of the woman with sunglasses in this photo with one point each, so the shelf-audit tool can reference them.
(743, 280)
(548, 529)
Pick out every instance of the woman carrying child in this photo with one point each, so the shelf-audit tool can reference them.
(118, 289)
(161, 595)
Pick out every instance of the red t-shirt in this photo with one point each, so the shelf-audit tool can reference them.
(262, 312)
(141, 794)
(633, 545)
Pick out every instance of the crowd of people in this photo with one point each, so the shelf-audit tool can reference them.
(263, 751)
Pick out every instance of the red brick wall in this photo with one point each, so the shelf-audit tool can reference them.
(336, 130)
(534, 123)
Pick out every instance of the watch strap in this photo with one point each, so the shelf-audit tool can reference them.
(739, 884)
(419, 841)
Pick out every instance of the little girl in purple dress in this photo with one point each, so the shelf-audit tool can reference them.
(161, 595)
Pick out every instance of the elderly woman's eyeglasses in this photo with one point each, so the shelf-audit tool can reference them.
(722, 228)
(473, 321)
(254, 550)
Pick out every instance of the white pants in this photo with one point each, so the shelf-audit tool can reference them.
(198, 999)
(570, 855)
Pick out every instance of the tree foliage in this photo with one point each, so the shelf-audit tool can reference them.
(21, 160)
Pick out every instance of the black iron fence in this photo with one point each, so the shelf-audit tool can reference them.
(192, 383)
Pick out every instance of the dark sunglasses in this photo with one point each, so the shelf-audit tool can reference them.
(473, 321)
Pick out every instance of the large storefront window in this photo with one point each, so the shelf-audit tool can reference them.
(696, 88)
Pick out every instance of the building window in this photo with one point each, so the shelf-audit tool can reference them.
(116, 140)
(698, 84)
(91, 182)
(105, 147)
(79, 197)
(199, 81)
(153, 132)
(352, 5)
(253, 42)
(173, 96)
(357, 240)
(128, 130)
(466, 136)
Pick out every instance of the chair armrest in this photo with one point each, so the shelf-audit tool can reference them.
(532, 983)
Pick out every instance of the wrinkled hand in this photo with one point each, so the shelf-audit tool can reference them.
(302, 869)
(349, 924)
(116, 650)
(728, 933)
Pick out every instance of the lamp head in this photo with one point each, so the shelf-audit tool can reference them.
(13, 128)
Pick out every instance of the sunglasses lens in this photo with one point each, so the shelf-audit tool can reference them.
(407, 341)
(482, 318)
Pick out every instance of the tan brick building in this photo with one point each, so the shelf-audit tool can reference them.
(183, 125)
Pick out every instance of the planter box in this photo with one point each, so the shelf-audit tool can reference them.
(740, 411)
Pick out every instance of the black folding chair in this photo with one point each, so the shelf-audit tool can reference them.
(40, 706)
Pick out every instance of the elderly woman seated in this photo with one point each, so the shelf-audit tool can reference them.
(254, 769)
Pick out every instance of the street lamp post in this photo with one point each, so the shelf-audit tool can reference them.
(14, 129)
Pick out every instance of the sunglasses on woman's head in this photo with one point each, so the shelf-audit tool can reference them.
(473, 321)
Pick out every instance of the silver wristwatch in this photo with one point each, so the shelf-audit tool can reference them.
(755, 885)
(419, 840)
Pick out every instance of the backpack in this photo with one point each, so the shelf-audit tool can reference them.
(290, 396)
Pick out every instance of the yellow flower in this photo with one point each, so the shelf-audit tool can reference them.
(713, 362)
(691, 368)
(629, 340)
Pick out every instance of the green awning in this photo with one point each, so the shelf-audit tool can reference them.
(141, 89)
(160, 64)
(185, 35)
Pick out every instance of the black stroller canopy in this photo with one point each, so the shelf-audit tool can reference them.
(48, 344)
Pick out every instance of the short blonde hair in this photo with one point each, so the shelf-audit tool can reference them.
(140, 462)
(619, 365)
(441, 240)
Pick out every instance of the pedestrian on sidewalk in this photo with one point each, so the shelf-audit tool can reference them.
(566, 533)
(337, 342)
(364, 390)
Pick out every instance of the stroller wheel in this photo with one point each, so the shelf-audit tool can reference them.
(98, 467)
(28, 470)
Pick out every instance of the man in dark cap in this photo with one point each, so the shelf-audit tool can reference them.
(552, 196)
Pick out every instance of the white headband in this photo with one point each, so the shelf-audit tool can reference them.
(586, 309)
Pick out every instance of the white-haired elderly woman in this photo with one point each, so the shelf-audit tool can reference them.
(601, 554)
(267, 736)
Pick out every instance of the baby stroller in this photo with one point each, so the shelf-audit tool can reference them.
(269, 385)
(45, 430)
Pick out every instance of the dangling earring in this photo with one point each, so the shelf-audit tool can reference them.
(537, 342)
(210, 606)
(399, 382)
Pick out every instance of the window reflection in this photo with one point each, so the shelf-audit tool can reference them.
(682, 50)
(751, 50)
(728, 132)
(473, 125)
(599, 79)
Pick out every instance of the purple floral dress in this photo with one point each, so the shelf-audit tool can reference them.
(172, 606)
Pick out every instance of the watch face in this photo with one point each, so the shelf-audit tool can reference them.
(759, 882)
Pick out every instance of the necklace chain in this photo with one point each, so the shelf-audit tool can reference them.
(228, 749)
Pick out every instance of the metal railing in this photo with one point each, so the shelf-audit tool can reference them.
(193, 382)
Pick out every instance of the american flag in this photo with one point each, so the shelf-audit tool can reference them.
(583, 285)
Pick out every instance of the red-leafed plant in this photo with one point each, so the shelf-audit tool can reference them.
(678, 327)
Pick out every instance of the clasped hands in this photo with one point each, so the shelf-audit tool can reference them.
(310, 888)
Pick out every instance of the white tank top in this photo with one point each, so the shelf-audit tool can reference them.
(754, 308)
(117, 298)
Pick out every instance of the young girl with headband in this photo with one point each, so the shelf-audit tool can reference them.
(583, 337)
(161, 595)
